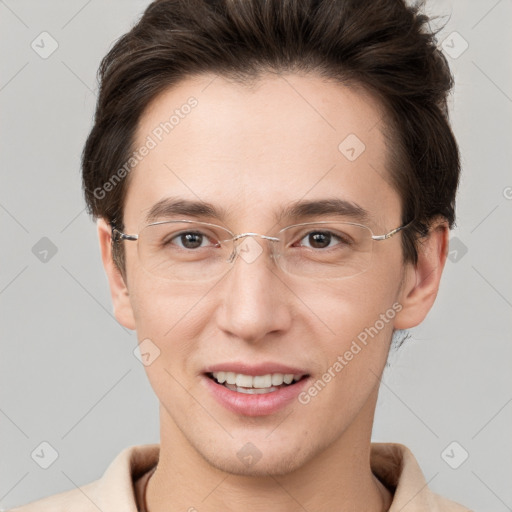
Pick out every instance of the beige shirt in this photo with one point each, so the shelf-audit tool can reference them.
(121, 486)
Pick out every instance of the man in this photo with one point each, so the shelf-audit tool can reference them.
(274, 183)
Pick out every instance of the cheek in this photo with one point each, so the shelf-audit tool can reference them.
(168, 325)
(352, 304)
(353, 340)
(355, 323)
(167, 313)
(359, 330)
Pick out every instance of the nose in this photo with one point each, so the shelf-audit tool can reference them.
(256, 301)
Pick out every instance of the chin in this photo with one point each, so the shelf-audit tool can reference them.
(260, 458)
(277, 464)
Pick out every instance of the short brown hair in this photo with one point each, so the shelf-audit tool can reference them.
(385, 46)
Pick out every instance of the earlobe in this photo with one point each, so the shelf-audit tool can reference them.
(421, 281)
(123, 310)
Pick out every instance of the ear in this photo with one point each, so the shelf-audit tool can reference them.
(118, 290)
(421, 281)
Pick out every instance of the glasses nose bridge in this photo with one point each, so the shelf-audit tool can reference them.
(244, 235)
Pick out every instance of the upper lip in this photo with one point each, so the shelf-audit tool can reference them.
(255, 369)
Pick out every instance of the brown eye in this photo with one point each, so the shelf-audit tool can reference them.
(188, 240)
(319, 240)
(322, 240)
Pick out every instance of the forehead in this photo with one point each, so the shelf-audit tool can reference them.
(252, 150)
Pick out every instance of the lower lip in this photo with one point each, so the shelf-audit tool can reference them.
(254, 405)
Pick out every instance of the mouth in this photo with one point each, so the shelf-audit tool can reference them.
(260, 389)
(255, 384)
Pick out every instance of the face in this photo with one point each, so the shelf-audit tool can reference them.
(251, 152)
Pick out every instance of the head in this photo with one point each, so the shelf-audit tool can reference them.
(248, 107)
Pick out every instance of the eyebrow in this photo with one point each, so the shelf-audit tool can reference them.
(297, 210)
(171, 207)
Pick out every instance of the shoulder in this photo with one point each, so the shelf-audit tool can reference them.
(77, 500)
(113, 491)
(442, 504)
(397, 468)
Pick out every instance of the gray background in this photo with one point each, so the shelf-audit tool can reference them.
(68, 373)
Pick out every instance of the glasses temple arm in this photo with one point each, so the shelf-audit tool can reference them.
(117, 234)
(391, 233)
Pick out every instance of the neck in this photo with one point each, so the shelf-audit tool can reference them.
(338, 477)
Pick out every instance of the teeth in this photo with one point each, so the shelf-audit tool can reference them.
(230, 377)
(277, 379)
(262, 381)
(243, 381)
(252, 391)
(256, 382)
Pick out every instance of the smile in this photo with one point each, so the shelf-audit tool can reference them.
(254, 384)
